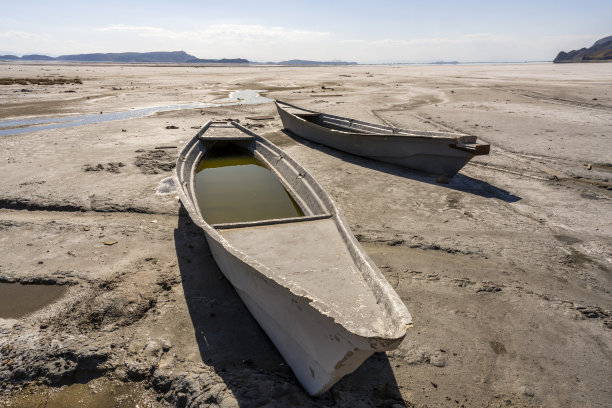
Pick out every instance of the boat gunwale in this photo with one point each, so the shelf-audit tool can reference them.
(451, 137)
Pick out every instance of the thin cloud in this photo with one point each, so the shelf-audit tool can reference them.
(221, 32)
(437, 41)
(19, 34)
(352, 42)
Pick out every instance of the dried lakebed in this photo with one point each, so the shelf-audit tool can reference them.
(506, 269)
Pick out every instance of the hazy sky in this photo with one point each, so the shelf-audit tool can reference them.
(271, 30)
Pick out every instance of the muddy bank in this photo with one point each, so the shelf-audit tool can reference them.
(505, 269)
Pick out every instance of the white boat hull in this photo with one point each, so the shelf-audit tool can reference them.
(322, 331)
(319, 351)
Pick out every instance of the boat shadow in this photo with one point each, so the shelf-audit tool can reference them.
(459, 182)
(231, 341)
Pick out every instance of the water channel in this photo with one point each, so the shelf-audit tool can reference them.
(19, 126)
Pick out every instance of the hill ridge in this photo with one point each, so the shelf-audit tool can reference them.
(601, 50)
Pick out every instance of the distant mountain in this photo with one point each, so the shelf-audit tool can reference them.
(163, 56)
(37, 57)
(218, 61)
(306, 62)
(600, 51)
(176, 57)
(173, 57)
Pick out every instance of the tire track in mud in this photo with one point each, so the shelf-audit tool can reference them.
(579, 311)
(417, 242)
(540, 97)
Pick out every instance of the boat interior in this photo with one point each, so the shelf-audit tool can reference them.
(297, 185)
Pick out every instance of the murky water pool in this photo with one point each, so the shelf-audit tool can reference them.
(98, 393)
(17, 300)
(14, 127)
(232, 186)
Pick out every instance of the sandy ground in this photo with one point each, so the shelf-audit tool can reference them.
(506, 269)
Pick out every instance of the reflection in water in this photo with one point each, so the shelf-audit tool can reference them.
(14, 127)
(17, 300)
(232, 186)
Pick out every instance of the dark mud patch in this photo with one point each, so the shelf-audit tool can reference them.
(566, 239)
(80, 342)
(97, 204)
(591, 196)
(66, 277)
(114, 303)
(498, 348)
(40, 81)
(18, 300)
(593, 312)
(487, 287)
(26, 204)
(106, 204)
(453, 200)
(78, 362)
(416, 242)
(112, 167)
(575, 258)
(166, 186)
(155, 162)
(596, 312)
(111, 308)
(604, 167)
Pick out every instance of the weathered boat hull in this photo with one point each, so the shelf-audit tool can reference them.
(441, 153)
(310, 330)
(319, 351)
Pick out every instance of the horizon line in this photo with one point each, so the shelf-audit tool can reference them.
(340, 62)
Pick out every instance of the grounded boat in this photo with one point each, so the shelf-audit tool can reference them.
(305, 278)
(442, 153)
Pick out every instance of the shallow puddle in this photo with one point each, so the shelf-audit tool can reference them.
(232, 186)
(98, 393)
(17, 300)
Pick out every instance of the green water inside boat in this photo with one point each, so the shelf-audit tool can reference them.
(233, 186)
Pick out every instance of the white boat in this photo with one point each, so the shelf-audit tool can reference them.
(442, 153)
(306, 280)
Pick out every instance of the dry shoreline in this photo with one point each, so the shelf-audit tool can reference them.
(505, 269)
